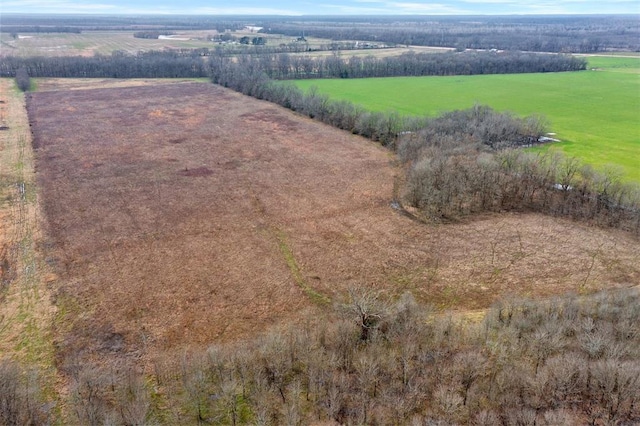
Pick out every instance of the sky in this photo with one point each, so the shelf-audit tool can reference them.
(323, 7)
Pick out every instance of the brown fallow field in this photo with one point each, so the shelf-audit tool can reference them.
(184, 214)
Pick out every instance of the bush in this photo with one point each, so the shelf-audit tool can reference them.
(376, 361)
(21, 398)
(455, 174)
(23, 81)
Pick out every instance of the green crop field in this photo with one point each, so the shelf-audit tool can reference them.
(595, 113)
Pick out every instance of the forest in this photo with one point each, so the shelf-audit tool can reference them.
(13, 23)
(190, 63)
(118, 65)
(374, 361)
(283, 67)
(585, 34)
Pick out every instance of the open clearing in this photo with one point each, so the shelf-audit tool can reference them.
(595, 113)
(377, 52)
(89, 43)
(186, 214)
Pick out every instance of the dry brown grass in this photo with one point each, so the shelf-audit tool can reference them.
(62, 84)
(26, 309)
(90, 43)
(187, 214)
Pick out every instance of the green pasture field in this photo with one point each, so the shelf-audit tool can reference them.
(595, 113)
(615, 63)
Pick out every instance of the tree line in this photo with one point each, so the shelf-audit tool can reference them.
(444, 183)
(190, 63)
(246, 76)
(375, 360)
(152, 34)
(15, 29)
(458, 164)
(74, 23)
(231, 48)
(254, 41)
(585, 34)
(172, 64)
(415, 64)
(463, 163)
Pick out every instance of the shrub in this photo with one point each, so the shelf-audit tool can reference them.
(22, 80)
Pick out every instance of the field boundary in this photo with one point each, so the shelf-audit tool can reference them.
(605, 112)
(27, 311)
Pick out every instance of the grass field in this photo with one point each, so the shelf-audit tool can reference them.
(94, 42)
(186, 214)
(595, 113)
(89, 43)
(26, 301)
